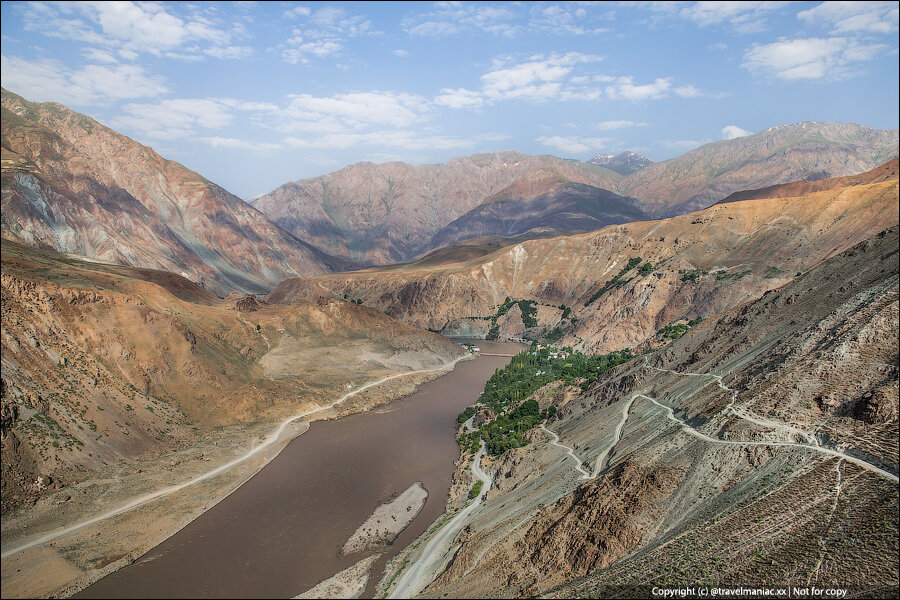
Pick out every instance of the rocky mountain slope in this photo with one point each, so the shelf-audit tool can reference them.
(72, 185)
(617, 287)
(804, 151)
(547, 205)
(392, 212)
(387, 213)
(885, 172)
(624, 163)
(107, 364)
(759, 449)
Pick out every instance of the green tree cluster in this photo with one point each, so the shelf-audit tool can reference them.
(529, 315)
(507, 391)
(617, 281)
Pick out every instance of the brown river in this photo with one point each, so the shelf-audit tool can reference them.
(281, 532)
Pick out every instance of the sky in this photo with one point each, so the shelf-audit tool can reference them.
(255, 94)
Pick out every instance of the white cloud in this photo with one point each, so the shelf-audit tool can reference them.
(148, 27)
(434, 29)
(573, 145)
(568, 19)
(626, 88)
(99, 56)
(344, 113)
(743, 17)
(237, 144)
(510, 19)
(540, 78)
(303, 50)
(450, 18)
(229, 52)
(611, 125)
(687, 91)
(400, 52)
(132, 28)
(323, 34)
(297, 12)
(375, 118)
(809, 58)
(49, 80)
(562, 77)
(257, 106)
(729, 132)
(400, 139)
(175, 118)
(459, 98)
(854, 17)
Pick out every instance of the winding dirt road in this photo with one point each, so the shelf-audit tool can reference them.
(417, 576)
(270, 440)
(702, 436)
(729, 409)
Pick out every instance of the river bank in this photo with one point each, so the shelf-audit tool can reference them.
(281, 532)
(60, 546)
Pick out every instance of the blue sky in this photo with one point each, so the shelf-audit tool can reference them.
(253, 95)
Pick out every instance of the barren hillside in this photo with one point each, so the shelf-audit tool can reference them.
(803, 151)
(392, 212)
(104, 363)
(623, 283)
(72, 185)
(549, 205)
(759, 448)
(387, 213)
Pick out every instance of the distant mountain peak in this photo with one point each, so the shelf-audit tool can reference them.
(624, 163)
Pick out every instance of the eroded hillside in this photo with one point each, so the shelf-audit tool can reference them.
(120, 385)
(394, 211)
(72, 185)
(617, 287)
(759, 448)
(106, 363)
(548, 205)
(803, 151)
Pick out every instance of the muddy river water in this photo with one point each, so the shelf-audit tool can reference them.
(281, 532)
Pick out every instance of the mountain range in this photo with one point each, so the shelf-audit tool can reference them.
(684, 267)
(624, 163)
(392, 212)
(753, 283)
(72, 185)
